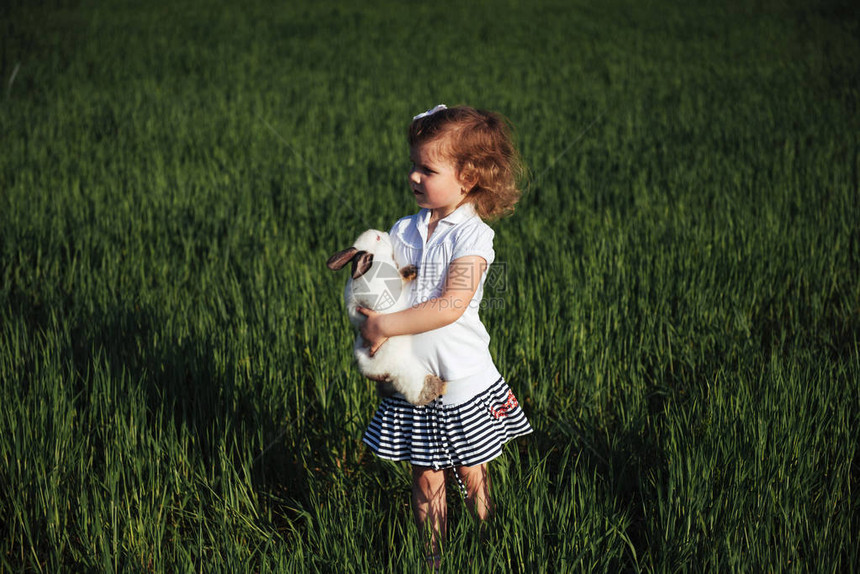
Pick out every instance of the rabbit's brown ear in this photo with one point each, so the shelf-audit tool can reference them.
(339, 259)
(361, 263)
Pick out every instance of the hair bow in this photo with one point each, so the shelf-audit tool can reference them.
(430, 112)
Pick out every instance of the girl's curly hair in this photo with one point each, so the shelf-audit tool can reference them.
(480, 146)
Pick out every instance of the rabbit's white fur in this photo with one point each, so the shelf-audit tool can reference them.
(393, 366)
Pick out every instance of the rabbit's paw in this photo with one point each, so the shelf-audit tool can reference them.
(433, 388)
(409, 272)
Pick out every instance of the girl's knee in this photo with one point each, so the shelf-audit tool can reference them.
(477, 482)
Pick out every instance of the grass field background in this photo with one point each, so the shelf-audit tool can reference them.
(680, 309)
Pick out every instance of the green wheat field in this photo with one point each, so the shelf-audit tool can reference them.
(677, 297)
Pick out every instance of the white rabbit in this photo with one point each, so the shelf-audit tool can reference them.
(378, 283)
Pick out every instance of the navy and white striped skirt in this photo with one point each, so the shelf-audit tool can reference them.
(441, 436)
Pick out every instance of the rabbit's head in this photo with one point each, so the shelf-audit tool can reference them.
(369, 244)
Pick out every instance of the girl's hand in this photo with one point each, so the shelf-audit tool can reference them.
(371, 330)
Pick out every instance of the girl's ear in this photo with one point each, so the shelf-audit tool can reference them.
(468, 178)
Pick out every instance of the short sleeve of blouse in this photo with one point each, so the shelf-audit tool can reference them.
(475, 240)
(398, 226)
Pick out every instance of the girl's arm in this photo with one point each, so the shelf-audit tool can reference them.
(464, 276)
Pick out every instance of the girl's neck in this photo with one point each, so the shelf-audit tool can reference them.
(440, 213)
(437, 215)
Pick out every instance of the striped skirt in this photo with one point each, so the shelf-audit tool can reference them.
(441, 436)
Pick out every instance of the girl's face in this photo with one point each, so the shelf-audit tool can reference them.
(434, 180)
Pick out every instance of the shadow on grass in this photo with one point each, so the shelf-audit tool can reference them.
(192, 382)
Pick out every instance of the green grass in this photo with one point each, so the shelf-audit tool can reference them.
(680, 318)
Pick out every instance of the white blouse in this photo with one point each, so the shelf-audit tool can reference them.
(459, 352)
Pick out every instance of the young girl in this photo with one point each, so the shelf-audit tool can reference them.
(464, 169)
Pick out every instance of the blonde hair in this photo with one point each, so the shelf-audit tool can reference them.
(480, 146)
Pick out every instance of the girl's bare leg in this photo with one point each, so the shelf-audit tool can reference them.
(430, 506)
(477, 481)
